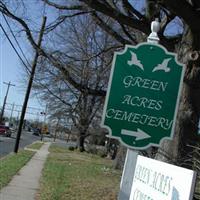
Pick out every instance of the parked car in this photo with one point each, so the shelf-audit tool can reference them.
(36, 131)
(5, 130)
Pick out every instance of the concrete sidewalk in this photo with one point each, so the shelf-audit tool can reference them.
(25, 184)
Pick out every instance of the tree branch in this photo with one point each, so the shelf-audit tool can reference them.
(128, 34)
(62, 18)
(132, 11)
(186, 11)
(51, 58)
(5, 11)
(141, 25)
(62, 7)
(109, 30)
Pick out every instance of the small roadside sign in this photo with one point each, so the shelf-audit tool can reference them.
(44, 129)
(158, 180)
(143, 95)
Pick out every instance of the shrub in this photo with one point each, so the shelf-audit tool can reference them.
(71, 148)
(102, 153)
(91, 149)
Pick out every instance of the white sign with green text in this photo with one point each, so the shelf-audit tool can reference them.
(155, 180)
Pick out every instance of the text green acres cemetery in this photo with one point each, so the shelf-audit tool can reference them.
(143, 94)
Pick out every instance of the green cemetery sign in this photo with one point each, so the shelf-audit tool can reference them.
(143, 95)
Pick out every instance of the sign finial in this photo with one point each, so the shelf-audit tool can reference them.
(155, 27)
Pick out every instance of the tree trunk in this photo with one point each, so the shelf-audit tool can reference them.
(81, 142)
(189, 139)
(120, 158)
(184, 149)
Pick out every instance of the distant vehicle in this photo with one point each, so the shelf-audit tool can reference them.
(45, 130)
(36, 131)
(5, 130)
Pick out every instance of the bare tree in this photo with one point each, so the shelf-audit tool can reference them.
(87, 51)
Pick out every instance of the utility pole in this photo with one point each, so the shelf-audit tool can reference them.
(29, 87)
(44, 122)
(13, 106)
(18, 113)
(56, 130)
(5, 99)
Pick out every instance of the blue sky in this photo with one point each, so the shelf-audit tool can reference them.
(11, 70)
(10, 65)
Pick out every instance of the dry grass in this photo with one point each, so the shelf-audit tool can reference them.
(35, 145)
(71, 175)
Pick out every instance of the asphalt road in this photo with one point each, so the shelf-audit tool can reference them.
(7, 144)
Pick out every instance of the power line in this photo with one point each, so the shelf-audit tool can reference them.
(16, 39)
(28, 70)
(30, 113)
(21, 52)
(25, 65)
(29, 107)
(14, 47)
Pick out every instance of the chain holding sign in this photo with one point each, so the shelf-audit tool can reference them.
(142, 99)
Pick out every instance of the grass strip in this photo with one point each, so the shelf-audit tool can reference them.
(11, 164)
(73, 175)
(35, 145)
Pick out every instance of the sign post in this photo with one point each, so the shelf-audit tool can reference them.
(128, 174)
